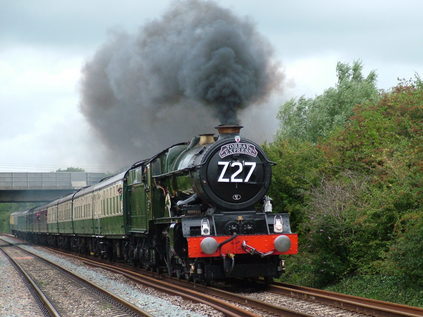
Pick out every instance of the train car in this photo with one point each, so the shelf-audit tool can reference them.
(196, 209)
(83, 212)
(108, 208)
(98, 217)
(39, 219)
(52, 221)
(65, 222)
(19, 223)
(13, 222)
(64, 215)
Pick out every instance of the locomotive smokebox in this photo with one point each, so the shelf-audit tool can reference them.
(228, 130)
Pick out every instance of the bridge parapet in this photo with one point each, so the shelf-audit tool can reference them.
(33, 187)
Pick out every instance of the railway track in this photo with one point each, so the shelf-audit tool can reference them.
(46, 308)
(342, 301)
(353, 303)
(62, 293)
(228, 303)
(233, 304)
(217, 298)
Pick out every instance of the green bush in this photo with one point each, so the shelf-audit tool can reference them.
(405, 256)
(356, 195)
(382, 287)
(297, 169)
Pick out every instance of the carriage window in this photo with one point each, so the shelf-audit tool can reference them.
(137, 175)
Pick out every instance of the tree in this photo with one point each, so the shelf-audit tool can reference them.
(309, 119)
(365, 214)
(71, 169)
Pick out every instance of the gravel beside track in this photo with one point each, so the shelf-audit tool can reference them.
(147, 299)
(66, 293)
(15, 298)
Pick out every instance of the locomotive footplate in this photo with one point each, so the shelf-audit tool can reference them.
(241, 244)
(250, 233)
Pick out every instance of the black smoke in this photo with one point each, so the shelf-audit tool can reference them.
(180, 75)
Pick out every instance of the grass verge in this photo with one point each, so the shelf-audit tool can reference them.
(385, 288)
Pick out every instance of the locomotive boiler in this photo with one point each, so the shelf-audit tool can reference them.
(197, 210)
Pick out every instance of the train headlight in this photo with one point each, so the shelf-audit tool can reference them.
(278, 224)
(205, 227)
(282, 243)
(209, 245)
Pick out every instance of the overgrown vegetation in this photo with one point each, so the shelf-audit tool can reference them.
(354, 188)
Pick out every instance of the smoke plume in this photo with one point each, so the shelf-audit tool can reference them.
(195, 67)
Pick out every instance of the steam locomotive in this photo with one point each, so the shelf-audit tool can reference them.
(197, 210)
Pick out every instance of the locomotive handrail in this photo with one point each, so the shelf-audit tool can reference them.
(226, 241)
(177, 172)
(148, 160)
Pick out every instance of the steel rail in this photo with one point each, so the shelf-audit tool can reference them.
(220, 305)
(342, 301)
(251, 302)
(155, 280)
(43, 302)
(348, 302)
(226, 308)
(132, 309)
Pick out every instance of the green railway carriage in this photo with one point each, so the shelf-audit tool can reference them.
(39, 219)
(98, 221)
(64, 215)
(31, 222)
(82, 210)
(13, 221)
(21, 223)
(108, 207)
(52, 225)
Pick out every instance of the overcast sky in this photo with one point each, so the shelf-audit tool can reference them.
(44, 44)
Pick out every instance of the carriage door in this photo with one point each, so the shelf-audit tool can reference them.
(138, 197)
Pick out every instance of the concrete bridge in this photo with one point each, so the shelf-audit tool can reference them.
(41, 187)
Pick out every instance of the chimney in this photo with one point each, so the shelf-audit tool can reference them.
(228, 130)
